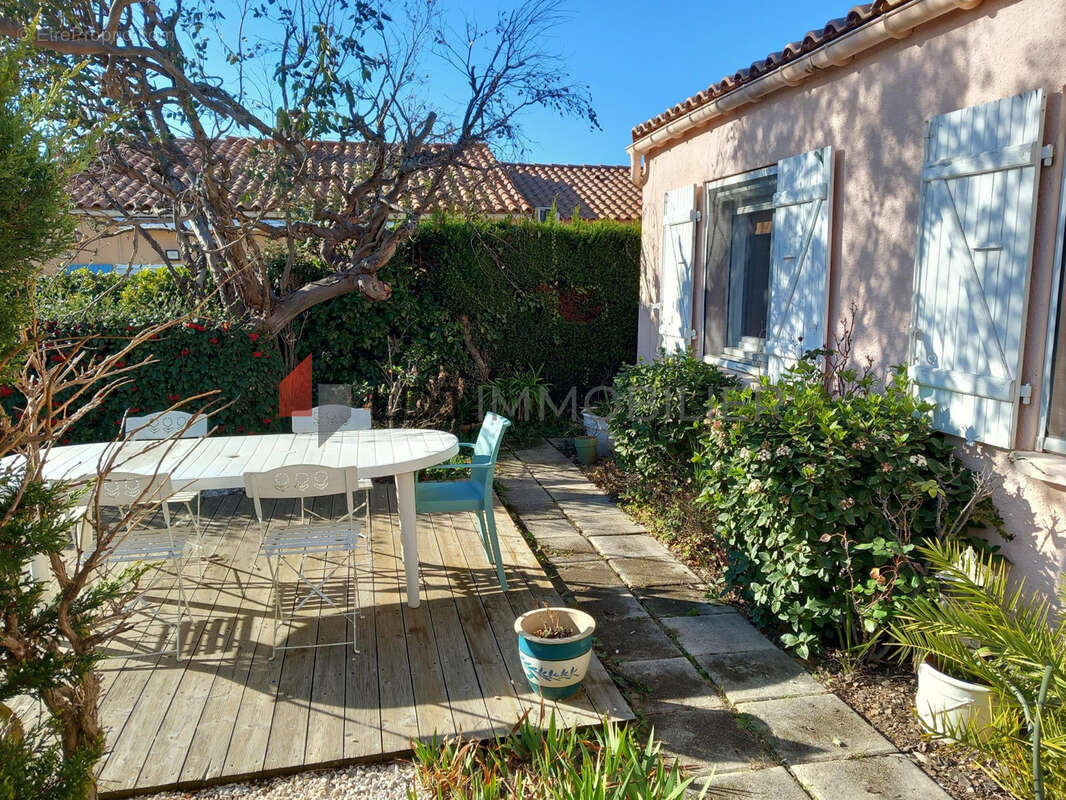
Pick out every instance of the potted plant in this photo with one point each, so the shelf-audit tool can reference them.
(594, 419)
(555, 645)
(991, 668)
(586, 447)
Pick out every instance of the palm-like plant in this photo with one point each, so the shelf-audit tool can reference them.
(984, 627)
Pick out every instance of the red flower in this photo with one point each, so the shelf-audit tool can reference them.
(5, 391)
(213, 340)
(135, 410)
(57, 357)
(195, 326)
(133, 387)
(65, 440)
(240, 429)
(185, 352)
(253, 336)
(120, 364)
(173, 397)
(267, 420)
(257, 354)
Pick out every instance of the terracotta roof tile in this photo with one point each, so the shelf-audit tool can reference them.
(478, 183)
(598, 192)
(856, 17)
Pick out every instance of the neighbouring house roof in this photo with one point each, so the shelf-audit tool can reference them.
(478, 184)
(857, 17)
(597, 191)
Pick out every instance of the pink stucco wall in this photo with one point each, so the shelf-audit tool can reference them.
(872, 112)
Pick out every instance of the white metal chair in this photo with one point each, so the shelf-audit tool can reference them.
(335, 419)
(309, 539)
(133, 490)
(164, 425)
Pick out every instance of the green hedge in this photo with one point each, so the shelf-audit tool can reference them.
(243, 367)
(558, 298)
(561, 298)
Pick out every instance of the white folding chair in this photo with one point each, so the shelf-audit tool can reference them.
(335, 419)
(310, 539)
(131, 491)
(164, 425)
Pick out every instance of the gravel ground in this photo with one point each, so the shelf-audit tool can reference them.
(389, 781)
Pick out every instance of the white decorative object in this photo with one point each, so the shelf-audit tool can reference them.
(595, 425)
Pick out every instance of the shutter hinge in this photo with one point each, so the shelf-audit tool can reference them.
(1025, 392)
(1047, 154)
(694, 216)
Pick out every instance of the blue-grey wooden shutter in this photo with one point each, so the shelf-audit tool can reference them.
(799, 262)
(675, 278)
(971, 277)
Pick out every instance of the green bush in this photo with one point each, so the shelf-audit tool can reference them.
(820, 498)
(245, 368)
(656, 416)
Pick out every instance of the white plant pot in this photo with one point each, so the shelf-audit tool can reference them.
(595, 425)
(946, 704)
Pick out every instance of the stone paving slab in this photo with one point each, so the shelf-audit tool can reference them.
(635, 639)
(680, 601)
(630, 546)
(717, 633)
(891, 777)
(759, 675)
(543, 527)
(581, 577)
(642, 573)
(566, 549)
(703, 740)
(609, 605)
(816, 728)
(765, 784)
(669, 684)
(524, 496)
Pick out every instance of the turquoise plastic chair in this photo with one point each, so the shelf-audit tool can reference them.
(474, 493)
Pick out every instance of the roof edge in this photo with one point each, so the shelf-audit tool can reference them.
(897, 23)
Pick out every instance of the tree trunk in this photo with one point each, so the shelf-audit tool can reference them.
(76, 710)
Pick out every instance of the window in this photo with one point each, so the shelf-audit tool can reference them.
(545, 213)
(1053, 403)
(739, 252)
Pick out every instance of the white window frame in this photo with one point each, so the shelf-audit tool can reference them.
(711, 191)
(1044, 442)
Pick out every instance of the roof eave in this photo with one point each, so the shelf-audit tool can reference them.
(898, 23)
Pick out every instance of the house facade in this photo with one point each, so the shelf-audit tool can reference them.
(125, 223)
(906, 160)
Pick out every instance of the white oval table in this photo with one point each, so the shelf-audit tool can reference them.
(219, 462)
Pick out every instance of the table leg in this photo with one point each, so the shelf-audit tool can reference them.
(405, 503)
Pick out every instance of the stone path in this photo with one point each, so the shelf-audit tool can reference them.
(727, 702)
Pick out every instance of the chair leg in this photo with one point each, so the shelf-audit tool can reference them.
(497, 559)
(182, 609)
(482, 530)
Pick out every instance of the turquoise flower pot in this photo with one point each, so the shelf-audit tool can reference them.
(555, 667)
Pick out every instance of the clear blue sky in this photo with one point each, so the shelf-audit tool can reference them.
(637, 59)
(640, 58)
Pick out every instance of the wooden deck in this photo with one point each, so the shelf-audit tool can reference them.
(228, 711)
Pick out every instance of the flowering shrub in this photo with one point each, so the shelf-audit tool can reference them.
(198, 357)
(820, 498)
(656, 416)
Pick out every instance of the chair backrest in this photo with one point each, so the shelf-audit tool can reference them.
(333, 418)
(163, 425)
(487, 448)
(300, 481)
(134, 488)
